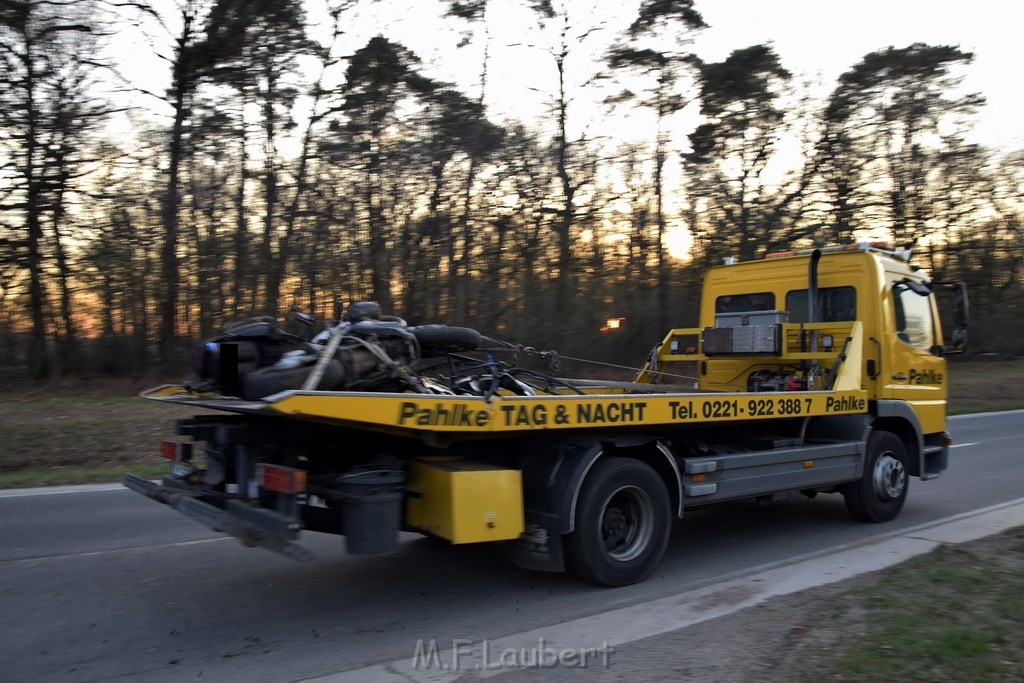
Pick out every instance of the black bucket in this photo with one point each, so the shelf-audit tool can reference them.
(372, 500)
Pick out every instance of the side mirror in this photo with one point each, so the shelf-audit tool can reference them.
(960, 305)
(958, 335)
(919, 288)
(959, 340)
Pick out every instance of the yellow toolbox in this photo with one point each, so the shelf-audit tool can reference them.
(464, 501)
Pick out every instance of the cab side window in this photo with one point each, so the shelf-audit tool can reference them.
(913, 314)
(737, 303)
(835, 304)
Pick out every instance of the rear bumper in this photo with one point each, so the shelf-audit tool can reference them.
(253, 526)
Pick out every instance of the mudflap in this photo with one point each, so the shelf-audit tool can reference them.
(538, 548)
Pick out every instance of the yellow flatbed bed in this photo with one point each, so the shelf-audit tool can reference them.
(417, 415)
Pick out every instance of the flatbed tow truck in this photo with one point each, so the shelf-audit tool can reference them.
(817, 371)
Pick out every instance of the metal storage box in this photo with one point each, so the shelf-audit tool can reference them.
(745, 318)
(463, 501)
(745, 332)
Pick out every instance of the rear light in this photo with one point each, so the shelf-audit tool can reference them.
(280, 478)
(172, 450)
(180, 455)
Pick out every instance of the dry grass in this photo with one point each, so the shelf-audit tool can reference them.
(983, 385)
(76, 432)
(952, 615)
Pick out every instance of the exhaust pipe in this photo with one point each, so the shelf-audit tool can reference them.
(812, 311)
(812, 287)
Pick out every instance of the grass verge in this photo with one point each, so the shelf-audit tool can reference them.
(981, 386)
(955, 614)
(77, 433)
(65, 476)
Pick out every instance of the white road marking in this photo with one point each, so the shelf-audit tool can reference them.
(116, 551)
(61, 490)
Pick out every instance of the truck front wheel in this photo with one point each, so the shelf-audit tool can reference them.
(878, 496)
(623, 520)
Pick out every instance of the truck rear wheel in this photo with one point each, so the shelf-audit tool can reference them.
(623, 519)
(878, 496)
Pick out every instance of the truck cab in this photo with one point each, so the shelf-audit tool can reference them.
(901, 362)
(894, 301)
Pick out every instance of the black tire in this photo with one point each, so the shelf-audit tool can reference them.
(623, 520)
(438, 340)
(267, 381)
(879, 494)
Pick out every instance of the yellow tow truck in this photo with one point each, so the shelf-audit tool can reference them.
(815, 371)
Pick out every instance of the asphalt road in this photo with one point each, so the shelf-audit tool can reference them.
(98, 583)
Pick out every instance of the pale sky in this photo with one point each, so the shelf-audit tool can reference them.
(814, 38)
(830, 36)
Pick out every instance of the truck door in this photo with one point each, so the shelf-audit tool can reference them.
(916, 371)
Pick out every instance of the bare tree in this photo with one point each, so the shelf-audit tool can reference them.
(46, 114)
(667, 25)
(893, 108)
(743, 122)
(566, 153)
(380, 76)
(187, 64)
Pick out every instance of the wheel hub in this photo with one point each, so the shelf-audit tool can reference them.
(890, 477)
(627, 523)
(615, 528)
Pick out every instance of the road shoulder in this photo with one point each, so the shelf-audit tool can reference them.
(767, 612)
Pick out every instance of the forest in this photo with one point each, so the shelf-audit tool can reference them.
(278, 163)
